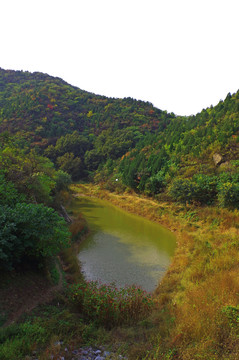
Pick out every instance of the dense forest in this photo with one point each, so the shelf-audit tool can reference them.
(187, 159)
(185, 172)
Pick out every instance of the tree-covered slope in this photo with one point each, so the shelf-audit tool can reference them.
(47, 107)
(50, 129)
(144, 148)
(31, 231)
(189, 145)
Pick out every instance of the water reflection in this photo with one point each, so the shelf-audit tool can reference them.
(123, 248)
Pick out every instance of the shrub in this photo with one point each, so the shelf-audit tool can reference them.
(62, 179)
(109, 306)
(156, 183)
(228, 194)
(78, 228)
(8, 194)
(201, 188)
(206, 190)
(18, 340)
(32, 231)
(183, 190)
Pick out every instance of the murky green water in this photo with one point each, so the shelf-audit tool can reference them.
(123, 248)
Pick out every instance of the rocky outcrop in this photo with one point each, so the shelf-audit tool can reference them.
(217, 158)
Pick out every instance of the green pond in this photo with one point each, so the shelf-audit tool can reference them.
(123, 248)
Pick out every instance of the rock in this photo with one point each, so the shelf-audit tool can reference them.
(89, 353)
(217, 158)
(97, 352)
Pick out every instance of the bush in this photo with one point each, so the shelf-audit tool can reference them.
(109, 306)
(156, 183)
(228, 194)
(8, 193)
(201, 188)
(183, 190)
(30, 231)
(18, 340)
(63, 180)
(206, 190)
(78, 228)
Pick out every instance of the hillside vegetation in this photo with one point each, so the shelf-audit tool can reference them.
(190, 159)
(180, 171)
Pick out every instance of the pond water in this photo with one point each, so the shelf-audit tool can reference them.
(123, 248)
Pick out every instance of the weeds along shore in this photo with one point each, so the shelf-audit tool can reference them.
(198, 298)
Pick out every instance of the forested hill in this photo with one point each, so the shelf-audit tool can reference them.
(141, 146)
(46, 107)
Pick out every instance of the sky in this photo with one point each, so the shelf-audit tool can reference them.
(180, 55)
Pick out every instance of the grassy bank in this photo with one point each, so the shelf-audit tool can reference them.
(62, 311)
(198, 312)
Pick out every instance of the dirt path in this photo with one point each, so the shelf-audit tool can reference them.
(24, 293)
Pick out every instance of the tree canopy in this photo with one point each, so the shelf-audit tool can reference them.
(94, 137)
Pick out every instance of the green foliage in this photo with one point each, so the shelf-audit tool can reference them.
(109, 306)
(41, 186)
(232, 315)
(73, 143)
(80, 132)
(206, 191)
(70, 164)
(93, 159)
(30, 231)
(156, 183)
(229, 194)
(8, 193)
(149, 151)
(183, 190)
(228, 189)
(43, 331)
(201, 188)
(53, 271)
(62, 180)
(68, 153)
(47, 107)
(18, 340)
(31, 174)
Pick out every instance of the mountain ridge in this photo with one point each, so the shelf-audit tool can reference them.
(92, 135)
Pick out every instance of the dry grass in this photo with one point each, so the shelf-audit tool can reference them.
(201, 282)
(78, 227)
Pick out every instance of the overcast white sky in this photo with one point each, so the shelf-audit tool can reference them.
(181, 55)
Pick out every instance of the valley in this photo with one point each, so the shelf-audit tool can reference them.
(63, 147)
